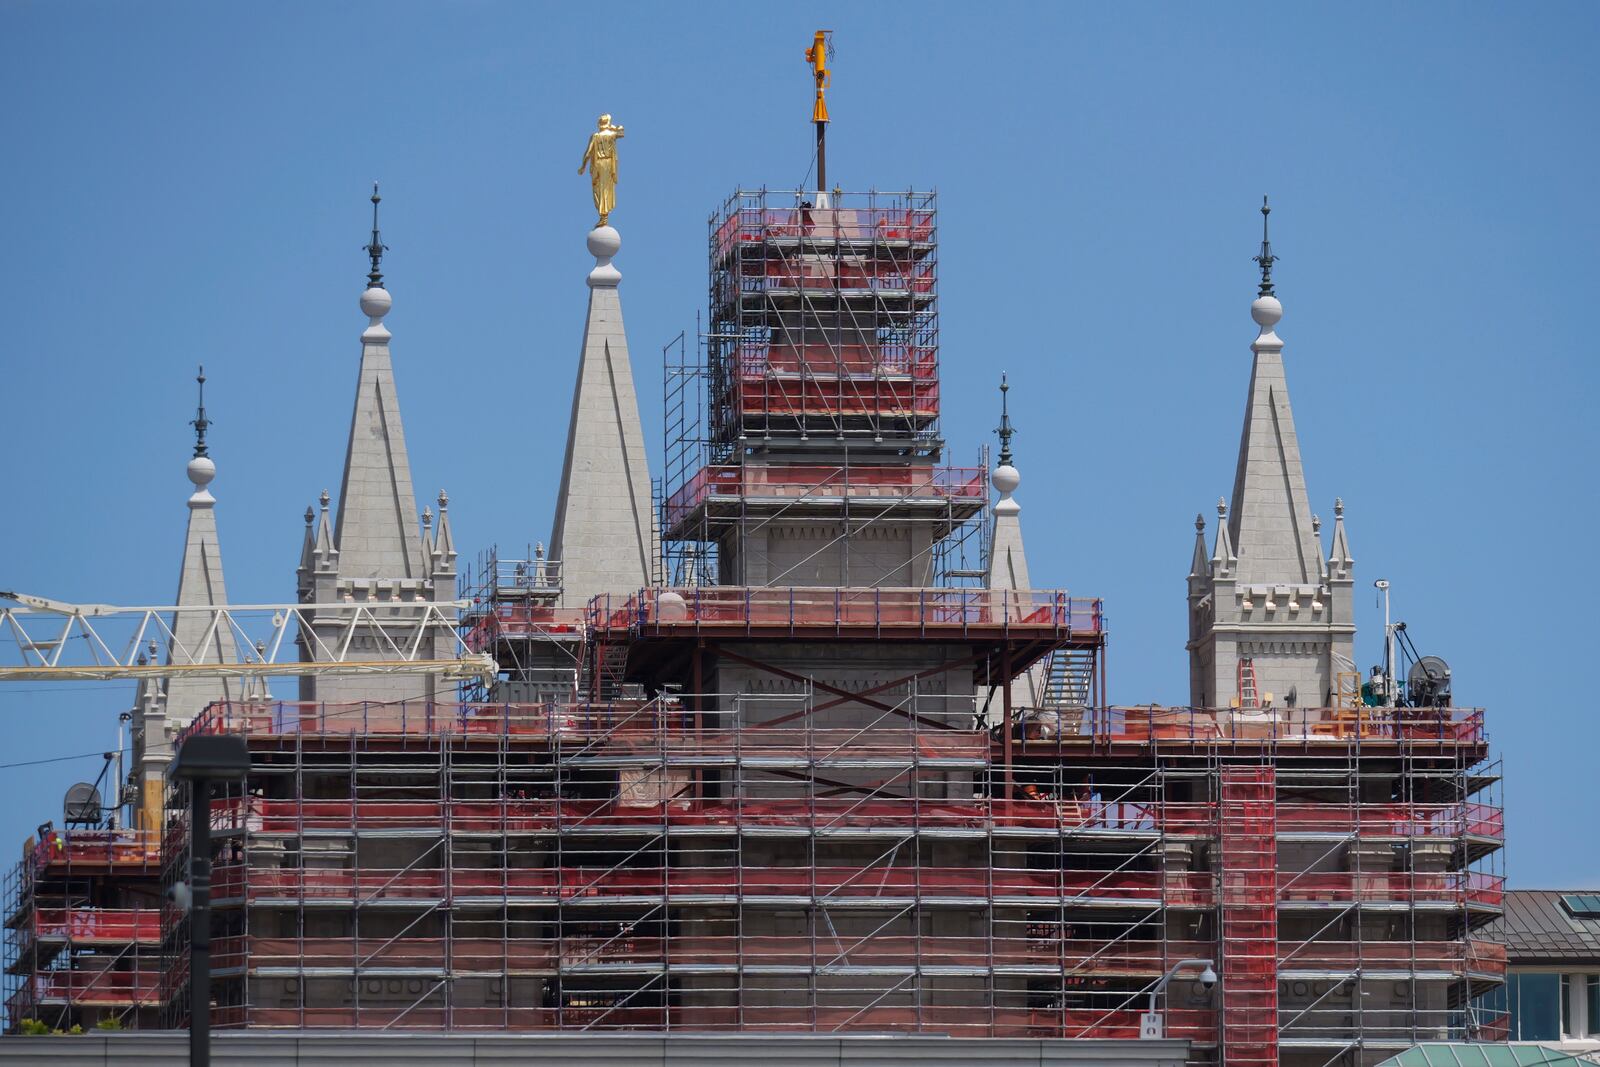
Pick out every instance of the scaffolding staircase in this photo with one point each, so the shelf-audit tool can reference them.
(1069, 681)
(1249, 915)
(604, 669)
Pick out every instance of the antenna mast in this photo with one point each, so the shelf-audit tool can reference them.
(817, 56)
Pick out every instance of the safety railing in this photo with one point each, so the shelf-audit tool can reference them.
(232, 881)
(831, 396)
(96, 987)
(1123, 1024)
(97, 925)
(1146, 958)
(1393, 820)
(1454, 957)
(1453, 888)
(827, 483)
(127, 848)
(484, 624)
(1399, 1024)
(876, 611)
(758, 358)
(751, 225)
(530, 814)
(1153, 723)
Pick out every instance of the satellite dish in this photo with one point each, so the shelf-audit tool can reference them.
(1428, 683)
(82, 805)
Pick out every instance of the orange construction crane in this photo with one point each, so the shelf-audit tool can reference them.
(817, 57)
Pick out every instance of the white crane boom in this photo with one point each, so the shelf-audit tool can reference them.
(49, 640)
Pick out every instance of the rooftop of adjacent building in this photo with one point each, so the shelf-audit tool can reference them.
(1550, 925)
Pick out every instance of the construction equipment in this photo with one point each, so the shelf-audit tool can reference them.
(50, 640)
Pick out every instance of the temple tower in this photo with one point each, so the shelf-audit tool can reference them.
(1270, 619)
(164, 708)
(602, 539)
(373, 551)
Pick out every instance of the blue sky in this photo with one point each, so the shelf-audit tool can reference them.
(187, 183)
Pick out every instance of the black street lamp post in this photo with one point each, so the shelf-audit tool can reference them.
(204, 759)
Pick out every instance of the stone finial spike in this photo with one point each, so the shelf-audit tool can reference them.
(1200, 562)
(1339, 558)
(1223, 557)
(200, 422)
(375, 248)
(443, 552)
(308, 545)
(1005, 429)
(1316, 524)
(429, 552)
(324, 550)
(1265, 259)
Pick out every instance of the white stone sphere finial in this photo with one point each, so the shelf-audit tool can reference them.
(375, 304)
(604, 243)
(1266, 311)
(201, 470)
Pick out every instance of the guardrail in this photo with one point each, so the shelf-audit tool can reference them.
(875, 611)
(795, 483)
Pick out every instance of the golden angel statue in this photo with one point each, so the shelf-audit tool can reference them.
(600, 157)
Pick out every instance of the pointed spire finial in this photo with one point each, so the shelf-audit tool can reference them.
(1200, 523)
(1338, 507)
(1222, 509)
(323, 500)
(376, 248)
(1316, 524)
(200, 422)
(427, 517)
(310, 516)
(1266, 259)
(444, 501)
(1004, 430)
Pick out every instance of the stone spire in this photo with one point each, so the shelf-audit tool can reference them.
(376, 525)
(1269, 606)
(1008, 563)
(373, 552)
(1270, 524)
(163, 708)
(603, 525)
(200, 583)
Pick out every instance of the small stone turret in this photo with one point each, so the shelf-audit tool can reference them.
(1264, 606)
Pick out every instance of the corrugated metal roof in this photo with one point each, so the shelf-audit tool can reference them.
(1535, 927)
(1462, 1055)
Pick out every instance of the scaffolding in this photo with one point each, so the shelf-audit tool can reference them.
(654, 864)
(823, 321)
(812, 401)
(83, 929)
